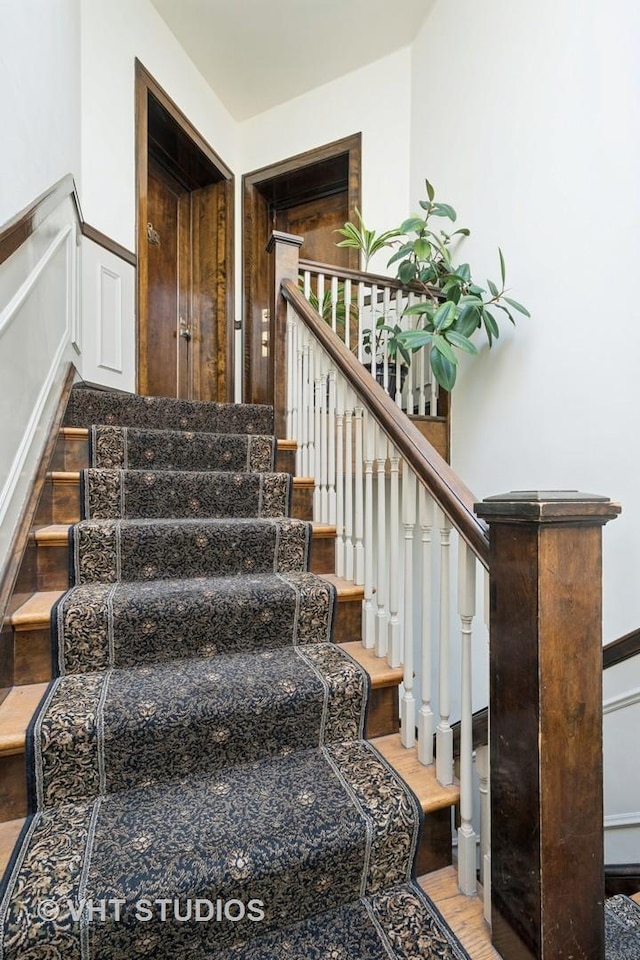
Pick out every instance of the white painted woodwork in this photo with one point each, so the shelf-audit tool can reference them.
(425, 714)
(394, 653)
(108, 309)
(318, 408)
(483, 771)
(331, 445)
(340, 478)
(38, 330)
(466, 610)
(358, 550)
(381, 547)
(408, 703)
(348, 488)
(290, 399)
(444, 733)
(368, 611)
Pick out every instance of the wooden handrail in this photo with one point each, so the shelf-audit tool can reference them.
(14, 233)
(621, 649)
(17, 230)
(345, 273)
(450, 493)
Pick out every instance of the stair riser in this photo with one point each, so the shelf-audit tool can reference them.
(72, 453)
(13, 787)
(65, 502)
(32, 646)
(382, 719)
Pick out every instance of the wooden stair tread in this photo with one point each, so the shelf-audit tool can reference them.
(324, 530)
(36, 611)
(636, 898)
(9, 833)
(287, 445)
(73, 477)
(74, 433)
(382, 675)
(463, 914)
(422, 780)
(16, 712)
(55, 534)
(345, 588)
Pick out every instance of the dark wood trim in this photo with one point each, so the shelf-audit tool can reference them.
(253, 185)
(621, 878)
(480, 732)
(144, 85)
(151, 85)
(621, 649)
(91, 233)
(451, 494)
(14, 233)
(359, 276)
(11, 567)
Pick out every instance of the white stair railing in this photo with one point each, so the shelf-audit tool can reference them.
(377, 301)
(394, 538)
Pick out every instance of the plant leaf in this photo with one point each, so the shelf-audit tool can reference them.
(430, 191)
(406, 272)
(443, 370)
(517, 306)
(444, 315)
(412, 225)
(503, 269)
(440, 344)
(493, 288)
(444, 210)
(460, 341)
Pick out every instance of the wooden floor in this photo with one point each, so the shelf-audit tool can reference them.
(463, 914)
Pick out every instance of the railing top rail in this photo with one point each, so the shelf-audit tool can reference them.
(446, 488)
(617, 651)
(345, 273)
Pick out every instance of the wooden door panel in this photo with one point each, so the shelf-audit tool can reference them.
(167, 288)
(316, 220)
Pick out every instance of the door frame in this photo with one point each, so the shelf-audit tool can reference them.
(253, 185)
(146, 84)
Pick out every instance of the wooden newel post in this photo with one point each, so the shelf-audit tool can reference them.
(546, 723)
(285, 250)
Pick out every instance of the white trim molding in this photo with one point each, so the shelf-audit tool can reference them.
(621, 701)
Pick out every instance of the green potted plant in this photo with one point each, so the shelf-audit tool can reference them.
(455, 306)
(368, 242)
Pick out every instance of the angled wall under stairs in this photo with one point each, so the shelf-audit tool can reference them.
(184, 751)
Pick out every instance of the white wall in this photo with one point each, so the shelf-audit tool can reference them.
(113, 35)
(523, 116)
(374, 100)
(40, 84)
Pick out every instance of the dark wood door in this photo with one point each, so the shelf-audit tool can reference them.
(169, 345)
(316, 220)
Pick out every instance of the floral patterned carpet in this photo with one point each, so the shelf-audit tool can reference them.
(199, 781)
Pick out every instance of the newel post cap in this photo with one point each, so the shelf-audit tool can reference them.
(278, 236)
(547, 506)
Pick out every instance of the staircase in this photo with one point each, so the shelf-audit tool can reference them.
(214, 769)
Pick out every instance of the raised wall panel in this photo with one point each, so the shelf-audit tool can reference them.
(108, 318)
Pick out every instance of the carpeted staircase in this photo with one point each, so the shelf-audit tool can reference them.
(199, 782)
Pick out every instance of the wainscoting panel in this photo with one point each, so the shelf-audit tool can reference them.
(38, 312)
(622, 777)
(108, 318)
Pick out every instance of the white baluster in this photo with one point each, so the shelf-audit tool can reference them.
(385, 355)
(303, 440)
(394, 628)
(318, 406)
(398, 364)
(482, 766)
(408, 703)
(291, 372)
(373, 327)
(347, 314)
(348, 488)
(311, 425)
(334, 304)
(358, 552)
(324, 452)
(422, 369)
(306, 284)
(360, 321)
(368, 611)
(444, 733)
(381, 573)
(320, 294)
(433, 399)
(425, 714)
(340, 478)
(331, 442)
(466, 833)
